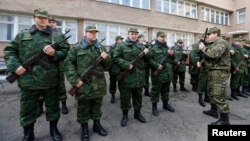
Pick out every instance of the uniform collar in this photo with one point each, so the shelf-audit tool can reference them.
(34, 29)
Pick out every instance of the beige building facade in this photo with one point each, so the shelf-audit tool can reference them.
(180, 19)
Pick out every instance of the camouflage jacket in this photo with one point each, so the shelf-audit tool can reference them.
(80, 56)
(217, 55)
(248, 51)
(158, 51)
(115, 69)
(123, 56)
(194, 57)
(26, 44)
(238, 60)
(178, 52)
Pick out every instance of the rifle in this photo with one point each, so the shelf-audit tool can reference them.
(134, 62)
(88, 72)
(203, 56)
(36, 58)
(162, 62)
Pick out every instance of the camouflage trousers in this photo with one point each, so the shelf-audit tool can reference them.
(246, 79)
(147, 73)
(28, 104)
(202, 82)
(89, 109)
(194, 79)
(236, 80)
(61, 92)
(181, 76)
(113, 84)
(159, 88)
(127, 94)
(216, 89)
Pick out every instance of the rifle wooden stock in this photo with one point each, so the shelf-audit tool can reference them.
(73, 91)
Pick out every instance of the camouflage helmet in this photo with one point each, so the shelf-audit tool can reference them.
(160, 34)
(91, 28)
(40, 13)
(133, 29)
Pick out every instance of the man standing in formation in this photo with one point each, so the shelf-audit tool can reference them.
(132, 83)
(37, 80)
(89, 96)
(161, 81)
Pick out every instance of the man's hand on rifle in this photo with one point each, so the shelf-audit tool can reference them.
(160, 67)
(201, 46)
(246, 56)
(104, 55)
(146, 51)
(130, 66)
(79, 84)
(198, 64)
(178, 63)
(231, 52)
(49, 50)
(20, 70)
(170, 52)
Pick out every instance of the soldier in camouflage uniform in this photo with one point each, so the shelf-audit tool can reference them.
(180, 68)
(161, 82)
(131, 85)
(89, 96)
(239, 60)
(246, 83)
(37, 81)
(114, 70)
(218, 65)
(62, 90)
(147, 67)
(193, 71)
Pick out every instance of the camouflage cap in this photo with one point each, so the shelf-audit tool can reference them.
(41, 13)
(160, 34)
(140, 35)
(51, 18)
(132, 29)
(238, 39)
(213, 30)
(248, 41)
(91, 28)
(118, 37)
(179, 41)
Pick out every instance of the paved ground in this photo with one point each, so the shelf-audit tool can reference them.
(186, 124)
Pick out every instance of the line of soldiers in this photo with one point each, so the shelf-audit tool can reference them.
(129, 62)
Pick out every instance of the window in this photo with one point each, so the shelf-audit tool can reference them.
(180, 8)
(174, 7)
(143, 4)
(110, 31)
(63, 25)
(24, 22)
(214, 16)
(177, 7)
(241, 16)
(6, 27)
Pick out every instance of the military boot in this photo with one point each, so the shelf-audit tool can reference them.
(124, 120)
(194, 87)
(224, 120)
(29, 132)
(146, 91)
(212, 112)
(233, 94)
(138, 116)
(239, 93)
(229, 98)
(174, 88)
(64, 108)
(39, 109)
(168, 107)
(85, 132)
(183, 88)
(112, 98)
(98, 128)
(54, 133)
(154, 109)
(201, 102)
(245, 92)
